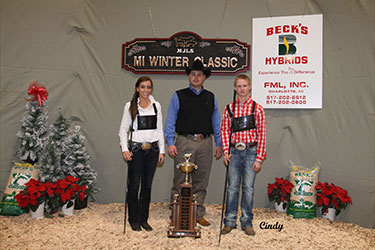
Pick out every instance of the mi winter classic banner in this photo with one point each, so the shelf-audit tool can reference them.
(287, 62)
(173, 55)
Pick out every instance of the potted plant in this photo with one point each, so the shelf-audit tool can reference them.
(68, 191)
(33, 197)
(332, 197)
(279, 192)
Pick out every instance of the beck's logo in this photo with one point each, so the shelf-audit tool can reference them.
(286, 45)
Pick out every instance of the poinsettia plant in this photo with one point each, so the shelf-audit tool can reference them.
(55, 194)
(279, 191)
(332, 196)
(35, 193)
(67, 189)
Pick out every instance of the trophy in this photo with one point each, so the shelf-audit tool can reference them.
(184, 206)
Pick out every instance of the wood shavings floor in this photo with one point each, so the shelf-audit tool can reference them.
(100, 226)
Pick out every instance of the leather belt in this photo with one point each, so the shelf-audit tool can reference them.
(196, 137)
(242, 146)
(143, 145)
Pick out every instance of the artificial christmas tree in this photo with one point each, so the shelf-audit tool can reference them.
(77, 162)
(33, 133)
(50, 170)
(49, 166)
(34, 128)
(59, 132)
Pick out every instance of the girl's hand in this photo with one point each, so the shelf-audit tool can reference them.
(127, 155)
(161, 159)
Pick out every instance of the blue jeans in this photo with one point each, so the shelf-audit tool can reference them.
(240, 170)
(141, 173)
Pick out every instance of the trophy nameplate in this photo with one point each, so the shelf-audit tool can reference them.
(185, 206)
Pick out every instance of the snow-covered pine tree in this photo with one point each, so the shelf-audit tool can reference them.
(77, 161)
(33, 133)
(49, 166)
(59, 132)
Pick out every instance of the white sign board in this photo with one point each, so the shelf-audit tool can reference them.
(287, 62)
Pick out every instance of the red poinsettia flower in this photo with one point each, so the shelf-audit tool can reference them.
(56, 194)
(271, 187)
(76, 187)
(62, 183)
(67, 189)
(31, 182)
(71, 179)
(65, 196)
(33, 201)
(23, 203)
(32, 189)
(332, 196)
(82, 196)
(41, 188)
(22, 200)
(33, 195)
(49, 188)
(279, 191)
(50, 192)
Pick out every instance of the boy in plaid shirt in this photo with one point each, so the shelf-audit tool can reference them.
(244, 153)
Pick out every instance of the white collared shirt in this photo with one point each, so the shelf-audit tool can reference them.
(148, 135)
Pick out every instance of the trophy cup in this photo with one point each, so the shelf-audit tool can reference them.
(184, 206)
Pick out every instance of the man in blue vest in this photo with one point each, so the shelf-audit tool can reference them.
(193, 117)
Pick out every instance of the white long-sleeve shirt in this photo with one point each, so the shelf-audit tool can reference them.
(148, 135)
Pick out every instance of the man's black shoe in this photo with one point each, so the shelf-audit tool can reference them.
(146, 226)
(135, 227)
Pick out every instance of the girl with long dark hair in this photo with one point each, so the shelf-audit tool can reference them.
(142, 143)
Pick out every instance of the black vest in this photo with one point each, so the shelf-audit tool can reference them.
(195, 113)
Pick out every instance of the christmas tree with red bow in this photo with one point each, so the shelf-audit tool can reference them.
(34, 128)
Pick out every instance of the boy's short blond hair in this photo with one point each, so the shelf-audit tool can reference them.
(243, 77)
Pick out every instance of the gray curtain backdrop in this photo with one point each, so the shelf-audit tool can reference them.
(74, 48)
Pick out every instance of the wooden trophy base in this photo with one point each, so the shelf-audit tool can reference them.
(184, 214)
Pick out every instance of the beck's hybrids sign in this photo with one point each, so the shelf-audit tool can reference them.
(287, 62)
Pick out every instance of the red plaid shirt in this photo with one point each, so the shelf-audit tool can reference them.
(257, 135)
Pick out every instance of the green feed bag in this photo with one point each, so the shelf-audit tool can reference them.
(19, 175)
(303, 194)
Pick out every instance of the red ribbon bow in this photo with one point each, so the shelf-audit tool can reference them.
(38, 91)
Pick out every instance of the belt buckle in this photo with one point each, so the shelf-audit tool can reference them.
(146, 146)
(240, 146)
(198, 137)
